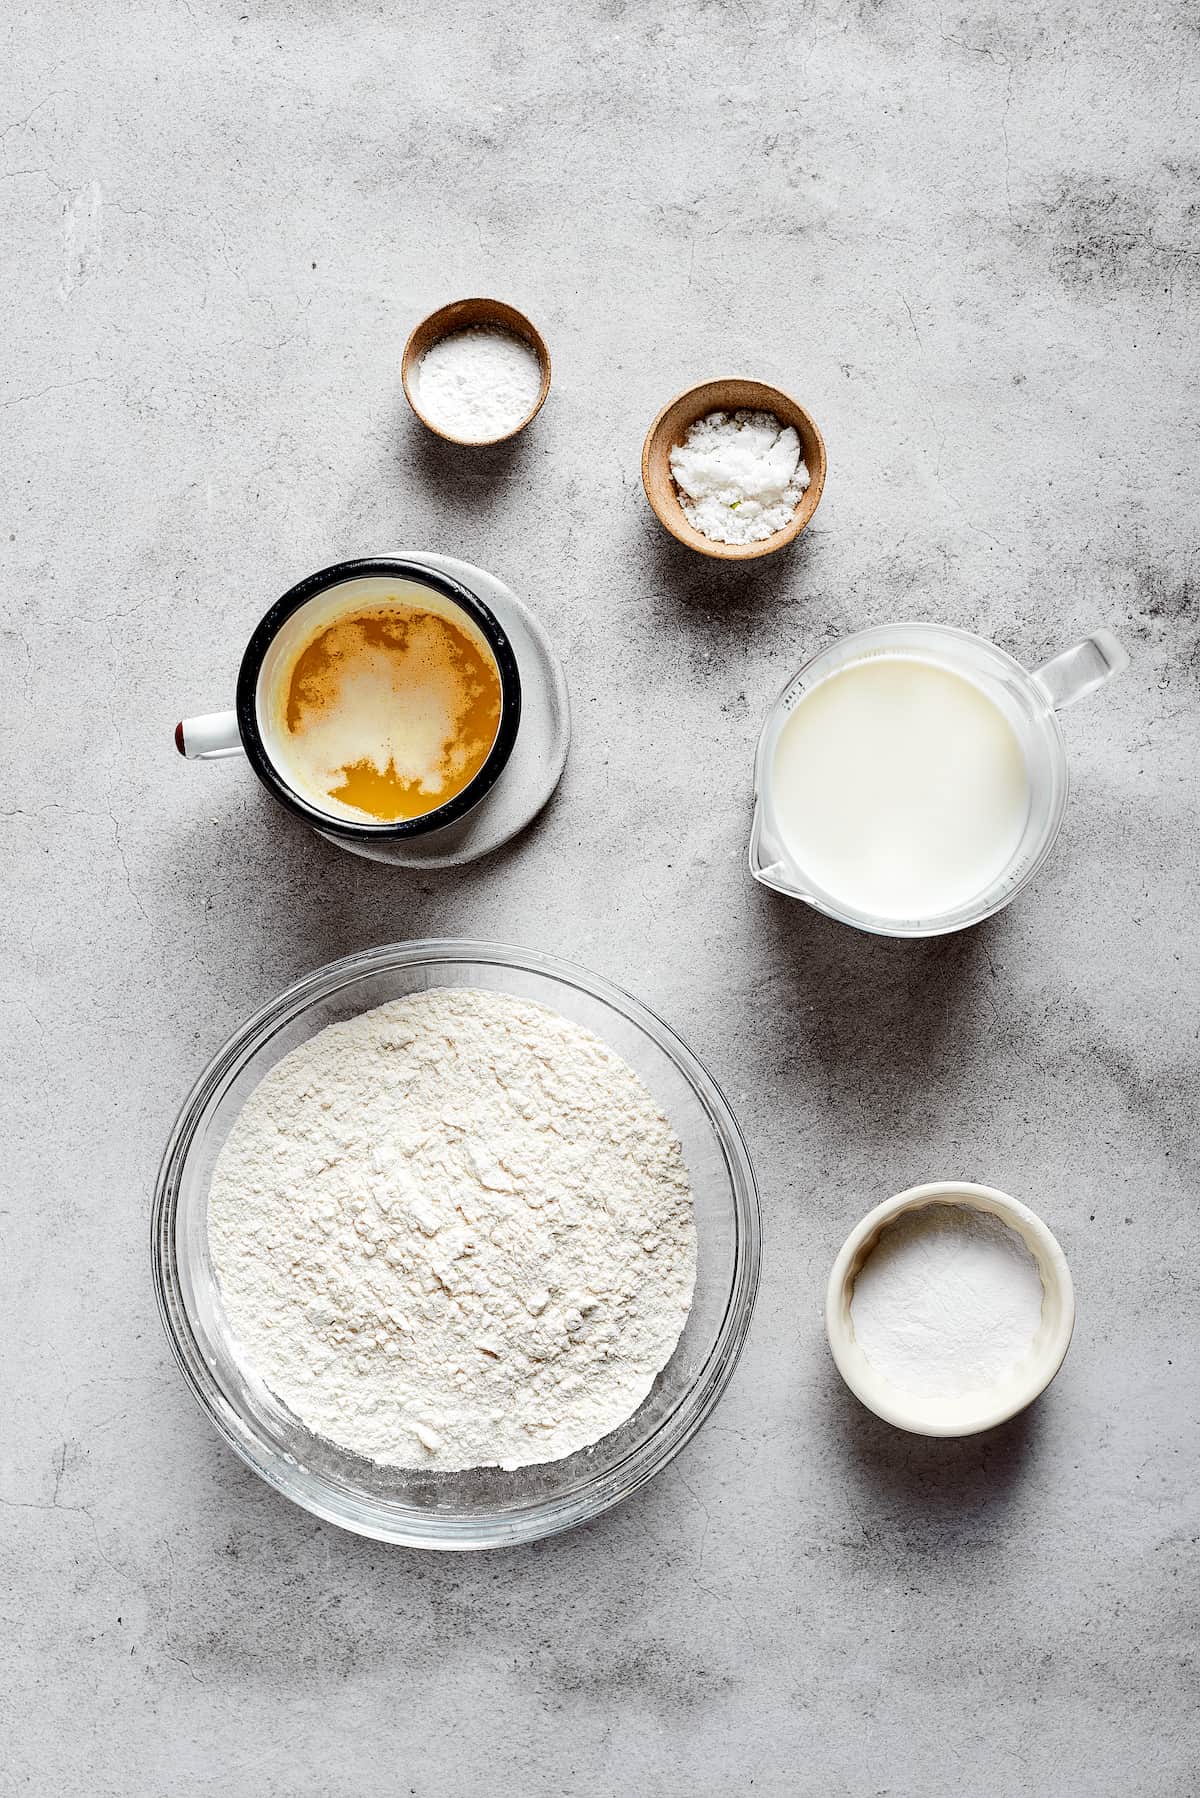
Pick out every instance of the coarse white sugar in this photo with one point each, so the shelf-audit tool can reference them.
(740, 475)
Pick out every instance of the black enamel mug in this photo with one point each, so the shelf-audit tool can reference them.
(303, 611)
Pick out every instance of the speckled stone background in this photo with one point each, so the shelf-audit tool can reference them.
(966, 238)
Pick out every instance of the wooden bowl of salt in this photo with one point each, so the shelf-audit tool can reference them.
(670, 429)
(456, 321)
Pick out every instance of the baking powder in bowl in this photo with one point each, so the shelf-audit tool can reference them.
(454, 1231)
(948, 1301)
(740, 475)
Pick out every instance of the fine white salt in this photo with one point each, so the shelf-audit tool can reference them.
(478, 384)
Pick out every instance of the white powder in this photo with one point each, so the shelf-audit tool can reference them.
(478, 384)
(948, 1302)
(454, 1231)
(739, 474)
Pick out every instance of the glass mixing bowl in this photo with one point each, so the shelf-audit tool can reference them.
(483, 1507)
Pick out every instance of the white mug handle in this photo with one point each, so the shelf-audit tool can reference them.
(209, 737)
(1074, 673)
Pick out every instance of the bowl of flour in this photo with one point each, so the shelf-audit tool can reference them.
(456, 1245)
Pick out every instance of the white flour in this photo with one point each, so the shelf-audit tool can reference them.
(948, 1301)
(479, 383)
(454, 1231)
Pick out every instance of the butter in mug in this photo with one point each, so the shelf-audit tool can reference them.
(386, 713)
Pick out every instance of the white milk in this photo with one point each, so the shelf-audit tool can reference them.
(899, 787)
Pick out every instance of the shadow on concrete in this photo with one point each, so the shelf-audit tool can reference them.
(254, 857)
(922, 1483)
(456, 473)
(728, 607)
(704, 584)
(887, 1018)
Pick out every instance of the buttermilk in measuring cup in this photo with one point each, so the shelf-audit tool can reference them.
(900, 787)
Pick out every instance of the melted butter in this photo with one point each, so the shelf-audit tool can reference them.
(391, 711)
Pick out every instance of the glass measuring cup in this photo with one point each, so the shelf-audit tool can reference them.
(1029, 701)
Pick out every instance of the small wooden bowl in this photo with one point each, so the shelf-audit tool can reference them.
(460, 315)
(671, 427)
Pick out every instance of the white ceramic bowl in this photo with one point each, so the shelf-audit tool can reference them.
(935, 1415)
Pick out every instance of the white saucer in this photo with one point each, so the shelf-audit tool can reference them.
(539, 753)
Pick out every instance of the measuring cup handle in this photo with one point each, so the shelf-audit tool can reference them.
(207, 738)
(1084, 668)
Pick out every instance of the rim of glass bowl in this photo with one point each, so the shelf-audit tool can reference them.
(413, 1528)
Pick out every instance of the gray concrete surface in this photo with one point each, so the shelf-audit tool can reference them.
(966, 238)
